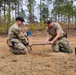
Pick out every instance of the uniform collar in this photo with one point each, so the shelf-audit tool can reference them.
(17, 25)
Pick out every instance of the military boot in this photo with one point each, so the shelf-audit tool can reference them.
(62, 49)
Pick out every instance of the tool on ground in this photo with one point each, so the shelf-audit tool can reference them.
(37, 44)
(75, 50)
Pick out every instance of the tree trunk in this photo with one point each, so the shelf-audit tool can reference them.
(40, 10)
(9, 17)
(4, 11)
(18, 7)
(68, 23)
(15, 10)
(9, 11)
(61, 18)
(0, 16)
(58, 18)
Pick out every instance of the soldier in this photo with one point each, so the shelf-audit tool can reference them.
(58, 37)
(16, 39)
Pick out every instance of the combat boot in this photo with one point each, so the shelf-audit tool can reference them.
(62, 49)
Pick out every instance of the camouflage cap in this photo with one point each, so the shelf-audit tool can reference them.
(20, 19)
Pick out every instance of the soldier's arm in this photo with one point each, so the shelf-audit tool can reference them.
(20, 35)
(57, 36)
(57, 32)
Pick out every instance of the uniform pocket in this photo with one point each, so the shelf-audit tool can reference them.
(9, 43)
(15, 40)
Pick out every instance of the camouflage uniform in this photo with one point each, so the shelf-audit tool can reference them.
(16, 40)
(62, 40)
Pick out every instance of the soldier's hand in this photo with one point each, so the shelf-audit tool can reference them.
(51, 42)
(30, 44)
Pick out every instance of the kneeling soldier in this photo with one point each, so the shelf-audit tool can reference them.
(58, 38)
(16, 39)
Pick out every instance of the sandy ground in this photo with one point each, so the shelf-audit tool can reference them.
(40, 61)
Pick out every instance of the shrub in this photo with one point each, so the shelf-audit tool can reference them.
(42, 25)
(1, 30)
(32, 27)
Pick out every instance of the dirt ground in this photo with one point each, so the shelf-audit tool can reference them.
(40, 61)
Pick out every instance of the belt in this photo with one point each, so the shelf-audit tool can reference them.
(64, 35)
(60, 37)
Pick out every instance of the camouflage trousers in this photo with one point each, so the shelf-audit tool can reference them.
(64, 42)
(18, 48)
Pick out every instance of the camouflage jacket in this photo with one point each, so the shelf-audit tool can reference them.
(15, 34)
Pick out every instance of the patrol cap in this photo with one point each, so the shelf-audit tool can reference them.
(20, 19)
(47, 21)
